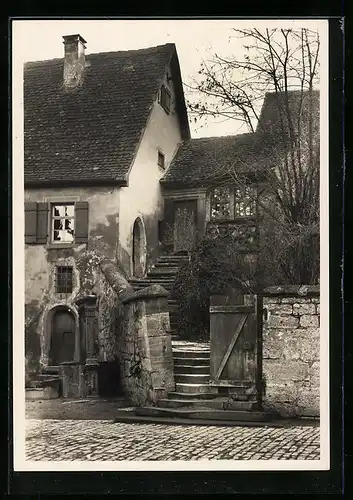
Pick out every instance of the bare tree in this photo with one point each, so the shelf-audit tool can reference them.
(281, 65)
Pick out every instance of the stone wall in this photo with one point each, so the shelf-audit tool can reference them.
(145, 347)
(291, 350)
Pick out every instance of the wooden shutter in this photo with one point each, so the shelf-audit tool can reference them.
(81, 222)
(42, 222)
(30, 222)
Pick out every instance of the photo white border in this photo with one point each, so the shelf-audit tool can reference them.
(20, 463)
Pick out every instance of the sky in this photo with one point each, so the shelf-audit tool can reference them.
(195, 40)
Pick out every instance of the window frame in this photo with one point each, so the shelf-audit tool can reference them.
(53, 217)
(67, 290)
(161, 155)
(233, 203)
(166, 103)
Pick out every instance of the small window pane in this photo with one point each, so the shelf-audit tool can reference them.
(63, 279)
(245, 201)
(59, 210)
(220, 203)
(65, 236)
(58, 224)
(69, 210)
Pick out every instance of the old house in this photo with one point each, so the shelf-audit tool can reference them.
(116, 192)
(99, 132)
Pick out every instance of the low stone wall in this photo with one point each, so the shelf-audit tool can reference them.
(145, 348)
(291, 350)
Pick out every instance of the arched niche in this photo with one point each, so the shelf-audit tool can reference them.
(138, 248)
(62, 335)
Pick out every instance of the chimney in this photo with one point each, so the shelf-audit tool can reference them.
(74, 59)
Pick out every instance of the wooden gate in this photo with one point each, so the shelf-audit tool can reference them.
(236, 340)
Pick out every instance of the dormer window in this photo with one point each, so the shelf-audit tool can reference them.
(161, 160)
(165, 98)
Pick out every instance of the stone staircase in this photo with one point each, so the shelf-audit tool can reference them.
(164, 273)
(46, 386)
(195, 398)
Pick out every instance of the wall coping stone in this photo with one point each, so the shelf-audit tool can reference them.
(116, 279)
(151, 292)
(292, 290)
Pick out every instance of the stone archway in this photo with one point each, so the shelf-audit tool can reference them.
(62, 332)
(138, 248)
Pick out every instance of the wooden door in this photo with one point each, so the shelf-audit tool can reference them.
(233, 340)
(185, 218)
(62, 345)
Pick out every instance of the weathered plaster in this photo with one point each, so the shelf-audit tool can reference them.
(41, 260)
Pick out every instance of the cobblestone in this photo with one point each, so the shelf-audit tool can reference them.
(89, 440)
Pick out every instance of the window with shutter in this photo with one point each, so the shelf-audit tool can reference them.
(68, 223)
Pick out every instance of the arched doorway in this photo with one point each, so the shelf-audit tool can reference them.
(138, 248)
(62, 339)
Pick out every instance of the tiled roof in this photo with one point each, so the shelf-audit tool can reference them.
(204, 160)
(269, 120)
(90, 133)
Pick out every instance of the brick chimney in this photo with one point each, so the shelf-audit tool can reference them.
(74, 59)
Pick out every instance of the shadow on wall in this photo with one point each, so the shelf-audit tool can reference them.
(104, 237)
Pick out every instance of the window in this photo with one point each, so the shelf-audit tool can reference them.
(56, 223)
(63, 279)
(245, 202)
(165, 98)
(161, 159)
(220, 203)
(63, 219)
(227, 203)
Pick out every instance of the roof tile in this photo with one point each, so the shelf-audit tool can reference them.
(69, 133)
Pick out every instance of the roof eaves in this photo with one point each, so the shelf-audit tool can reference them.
(78, 182)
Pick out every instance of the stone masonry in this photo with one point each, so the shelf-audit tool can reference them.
(145, 347)
(291, 350)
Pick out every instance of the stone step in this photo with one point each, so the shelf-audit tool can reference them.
(48, 377)
(186, 387)
(151, 281)
(205, 361)
(192, 378)
(165, 271)
(38, 393)
(179, 368)
(192, 395)
(167, 258)
(215, 403)
(167, 264)
(179, 353)
(51, 369)
(209, 414)
(173, 308)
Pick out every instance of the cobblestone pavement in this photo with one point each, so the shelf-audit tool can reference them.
(103, 440)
